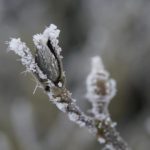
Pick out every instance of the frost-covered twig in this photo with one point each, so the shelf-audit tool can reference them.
(100, 90)
(47, 67)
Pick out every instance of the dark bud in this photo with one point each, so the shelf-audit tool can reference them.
(49, 62)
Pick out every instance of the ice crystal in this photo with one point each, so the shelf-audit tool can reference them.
(23, 51)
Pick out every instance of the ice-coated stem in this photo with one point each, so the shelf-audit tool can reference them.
(46, 66)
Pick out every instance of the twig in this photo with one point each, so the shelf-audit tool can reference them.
(47, 67)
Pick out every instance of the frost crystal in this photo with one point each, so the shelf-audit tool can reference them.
(101, 140)
(109, 147)
(51, 33)
(98, 83)
(81, 123)
(73, 117)
(27, 60)
(61, 106)
(100, 89)
(23, 51)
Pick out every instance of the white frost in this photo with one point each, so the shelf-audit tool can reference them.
(81, 123)
(109, 147)
(61, 106)
(98, 67)
(73, 116)
(101, 140)
(23, 51)
(51, 33)
(27, 59)
(100, 88)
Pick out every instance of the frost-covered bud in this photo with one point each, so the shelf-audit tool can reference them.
(47, 59)
(100, 89)
(48, 56)
(99, 85)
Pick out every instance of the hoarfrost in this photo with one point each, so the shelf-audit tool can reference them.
(73, 116)
(61, 106)
(23, 51)
(101, 140)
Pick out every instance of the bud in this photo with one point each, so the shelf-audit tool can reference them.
(49, 62)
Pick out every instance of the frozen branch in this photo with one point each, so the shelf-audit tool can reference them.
(47, 68)
(100, 89)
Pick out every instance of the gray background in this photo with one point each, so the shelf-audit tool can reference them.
(118, 30)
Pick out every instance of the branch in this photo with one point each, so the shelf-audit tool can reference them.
(46, 66)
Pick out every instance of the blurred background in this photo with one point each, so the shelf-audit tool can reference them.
(117, 30)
